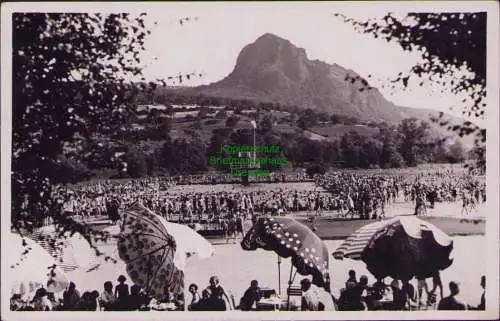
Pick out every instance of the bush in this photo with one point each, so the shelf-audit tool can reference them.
(212, 121)
(314, 169)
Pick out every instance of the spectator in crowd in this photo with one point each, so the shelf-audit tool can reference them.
(108, 298)
(352, 277)
(409, 290)
(71, 297)
(135, 300)
(251, 296)
(399, 297)
(450, 302)
(121, 292)
(421, 287)
(193, 289)
(360, 295)
(218, 293)
(88, 301)
(346, 300)
(379, 288)
(16, 302)
(205, 303)
(436, 284)
(41, 302)
(310, 297)
(482, 305)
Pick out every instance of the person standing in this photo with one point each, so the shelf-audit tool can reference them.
(121, 292)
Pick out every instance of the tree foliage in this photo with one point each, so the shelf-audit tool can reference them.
(72, 93)
(447, 41)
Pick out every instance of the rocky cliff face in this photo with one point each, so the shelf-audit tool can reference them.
(273, 69)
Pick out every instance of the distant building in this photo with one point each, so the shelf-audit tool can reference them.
(151, 107)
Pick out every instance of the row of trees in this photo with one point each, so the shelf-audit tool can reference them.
(408, 144)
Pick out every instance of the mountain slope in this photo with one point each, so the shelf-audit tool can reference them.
(273, 69)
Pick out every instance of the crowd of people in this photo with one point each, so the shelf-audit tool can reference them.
(358, 295)
(368, 195)
(338, 193)
(120, 297)
(356, 195)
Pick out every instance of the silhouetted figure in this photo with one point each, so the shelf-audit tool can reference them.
(251, 296)
(450, 302)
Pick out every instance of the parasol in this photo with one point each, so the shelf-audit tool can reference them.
(155, 250)
(289, 238)
(189, 242)
(401, 247)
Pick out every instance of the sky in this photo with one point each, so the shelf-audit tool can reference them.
(211, 40)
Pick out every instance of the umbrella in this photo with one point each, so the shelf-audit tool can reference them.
(189, 242)
(149, 252)
(401, 247)
(70, 251)
(289, 238)
(29, 264)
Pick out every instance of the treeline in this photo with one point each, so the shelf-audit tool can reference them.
(408, 144)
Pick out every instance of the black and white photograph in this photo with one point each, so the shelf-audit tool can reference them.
(254, 160)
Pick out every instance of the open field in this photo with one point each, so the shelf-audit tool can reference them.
(336, 131)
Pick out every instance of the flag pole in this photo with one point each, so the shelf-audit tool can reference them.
(279, 275)
(289, 285)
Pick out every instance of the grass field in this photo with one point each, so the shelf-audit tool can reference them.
(334, 132)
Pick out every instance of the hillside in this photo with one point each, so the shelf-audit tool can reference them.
(273, 69)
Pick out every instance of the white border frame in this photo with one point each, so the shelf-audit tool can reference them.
(493, 103)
